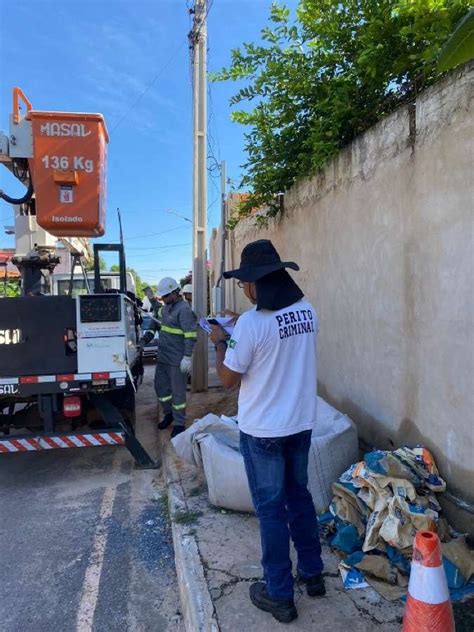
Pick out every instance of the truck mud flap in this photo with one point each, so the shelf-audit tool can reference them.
(114, 419)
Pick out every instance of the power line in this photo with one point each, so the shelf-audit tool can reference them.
(215, 199)
(155, 270)
(155, 210)
(164, 210)
(153, 254)
(161, 247)
(149, 86)
(213, 145)
(154, 234)
(181, 216)
(213, 138)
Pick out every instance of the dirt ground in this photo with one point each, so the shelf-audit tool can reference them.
(217, 400)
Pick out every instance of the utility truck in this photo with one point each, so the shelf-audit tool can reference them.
(70, 362)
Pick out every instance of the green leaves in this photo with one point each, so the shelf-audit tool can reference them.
(316, 81)
(10, 287)
(460, 46)
(279, 13)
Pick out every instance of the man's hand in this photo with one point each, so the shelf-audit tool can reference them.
(228, 377)
(186, 364)
(217, 334)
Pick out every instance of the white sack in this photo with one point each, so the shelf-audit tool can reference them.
(224, 468)
(213, 442)
(186, 444)
(334, 447)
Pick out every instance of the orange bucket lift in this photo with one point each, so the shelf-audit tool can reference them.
(68, 169)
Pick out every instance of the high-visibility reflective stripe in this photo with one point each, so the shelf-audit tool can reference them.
(190, 334)
(179, 406)
(165, 399)
(172, 330)
(428, 584)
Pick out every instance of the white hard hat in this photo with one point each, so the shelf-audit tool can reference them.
(166, 286)
(188, 288)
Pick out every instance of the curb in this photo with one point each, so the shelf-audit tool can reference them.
(198, 610)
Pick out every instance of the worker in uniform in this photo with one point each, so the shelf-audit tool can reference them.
(175, 348)
(188, 293)
(272, 354)
(155, 304)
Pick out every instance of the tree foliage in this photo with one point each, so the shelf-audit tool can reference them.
(140, 285)
(460, 46)
(186, 279)
(89, 266)
(10, 287)
(317, 81)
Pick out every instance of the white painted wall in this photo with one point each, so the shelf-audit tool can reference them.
(384, 238)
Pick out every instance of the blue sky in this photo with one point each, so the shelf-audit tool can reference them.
(100, 56)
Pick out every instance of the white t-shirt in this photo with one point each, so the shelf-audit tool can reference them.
(276, 354)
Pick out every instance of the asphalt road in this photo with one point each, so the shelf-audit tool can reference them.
(85, 541)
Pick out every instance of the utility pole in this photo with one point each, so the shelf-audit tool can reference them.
(223, 233)
(198, 42)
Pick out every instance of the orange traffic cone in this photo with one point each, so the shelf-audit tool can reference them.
(428, 607)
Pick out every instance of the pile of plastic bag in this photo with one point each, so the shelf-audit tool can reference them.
(379, 504)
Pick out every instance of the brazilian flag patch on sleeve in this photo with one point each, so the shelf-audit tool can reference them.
(232, 343)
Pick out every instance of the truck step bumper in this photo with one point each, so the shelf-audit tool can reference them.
(28, 443)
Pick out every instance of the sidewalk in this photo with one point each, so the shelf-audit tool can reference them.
(226, 546)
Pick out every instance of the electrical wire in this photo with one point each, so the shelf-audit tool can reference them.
(209, 7)
(213, 146)
(153, 270)
(213, 136)
(149, 86)
(197, 23)
(216, 198)
(153, 253)
(170, 230)
(161, 247)
(20, 169)
(152, 211)
(21, 172)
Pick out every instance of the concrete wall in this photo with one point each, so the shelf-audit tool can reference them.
(384, 240)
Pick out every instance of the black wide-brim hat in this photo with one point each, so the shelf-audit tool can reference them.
(258, 259)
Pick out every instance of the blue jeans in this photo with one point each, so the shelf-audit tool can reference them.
(277, 469)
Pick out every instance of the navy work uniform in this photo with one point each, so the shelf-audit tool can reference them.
(177, 340)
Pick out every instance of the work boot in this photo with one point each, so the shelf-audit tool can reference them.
(177, 430)
(314, 585)
(167, 421)
(282, 610)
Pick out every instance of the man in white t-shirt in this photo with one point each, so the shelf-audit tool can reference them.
(272, 353)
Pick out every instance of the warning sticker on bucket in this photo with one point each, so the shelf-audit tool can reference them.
(65, 194)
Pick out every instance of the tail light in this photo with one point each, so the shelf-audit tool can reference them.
(72, 406)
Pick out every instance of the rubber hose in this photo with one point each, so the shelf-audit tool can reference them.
(21, 200)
